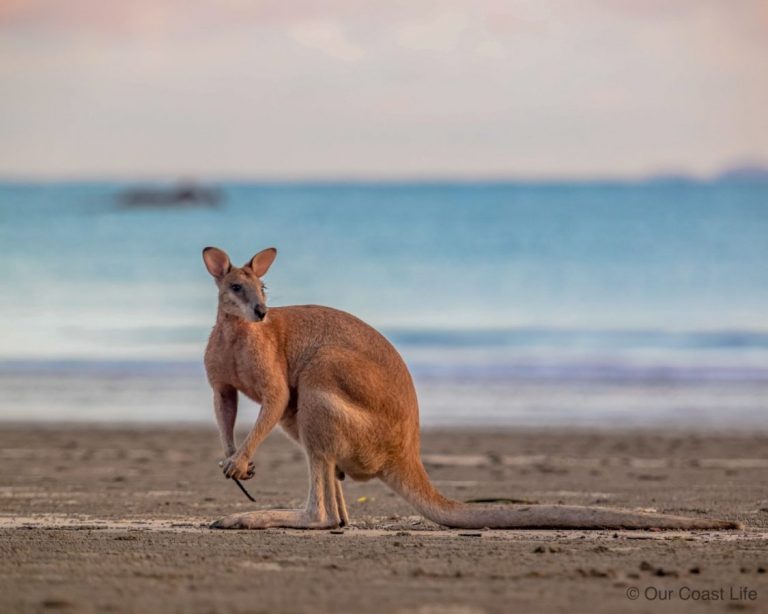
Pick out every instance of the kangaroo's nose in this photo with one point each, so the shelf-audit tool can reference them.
(260, 311)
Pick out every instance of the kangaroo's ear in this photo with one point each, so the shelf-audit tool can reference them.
(261, 262)
(216, 261)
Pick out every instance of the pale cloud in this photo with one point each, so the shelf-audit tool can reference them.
(442, 32)
(492, 49)
(329, 38)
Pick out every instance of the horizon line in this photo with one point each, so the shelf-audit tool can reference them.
(761, 176)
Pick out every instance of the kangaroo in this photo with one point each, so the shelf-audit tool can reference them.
(340, 390)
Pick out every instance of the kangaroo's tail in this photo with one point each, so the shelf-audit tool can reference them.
(412, 483)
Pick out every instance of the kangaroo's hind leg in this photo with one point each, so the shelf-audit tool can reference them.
(341, 505)
(321, 511)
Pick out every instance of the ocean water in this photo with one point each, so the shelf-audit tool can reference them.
(513, 303)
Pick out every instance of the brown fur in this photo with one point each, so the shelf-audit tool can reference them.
(342, 392)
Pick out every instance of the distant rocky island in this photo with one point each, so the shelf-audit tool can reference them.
(744, 173)
(180, 195)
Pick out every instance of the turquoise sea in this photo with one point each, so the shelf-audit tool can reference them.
(513, 303)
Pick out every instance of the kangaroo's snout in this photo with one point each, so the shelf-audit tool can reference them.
(260, 311)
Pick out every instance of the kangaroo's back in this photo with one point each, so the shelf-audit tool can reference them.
(304, 330)
(335, 350)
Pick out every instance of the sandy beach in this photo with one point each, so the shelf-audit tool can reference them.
(115, 519)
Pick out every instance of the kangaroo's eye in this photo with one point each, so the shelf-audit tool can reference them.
(235, 287)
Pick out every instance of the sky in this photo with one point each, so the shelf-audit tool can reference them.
(381, 89)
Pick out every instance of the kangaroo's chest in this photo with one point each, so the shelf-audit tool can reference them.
(237, 362)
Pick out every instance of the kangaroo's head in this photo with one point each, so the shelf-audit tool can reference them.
(241, 291)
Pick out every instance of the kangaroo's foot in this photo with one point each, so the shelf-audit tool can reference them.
(266, 519)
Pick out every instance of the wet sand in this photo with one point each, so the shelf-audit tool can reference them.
(115, 519)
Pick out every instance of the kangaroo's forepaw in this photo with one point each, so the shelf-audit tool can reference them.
(237, 467)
